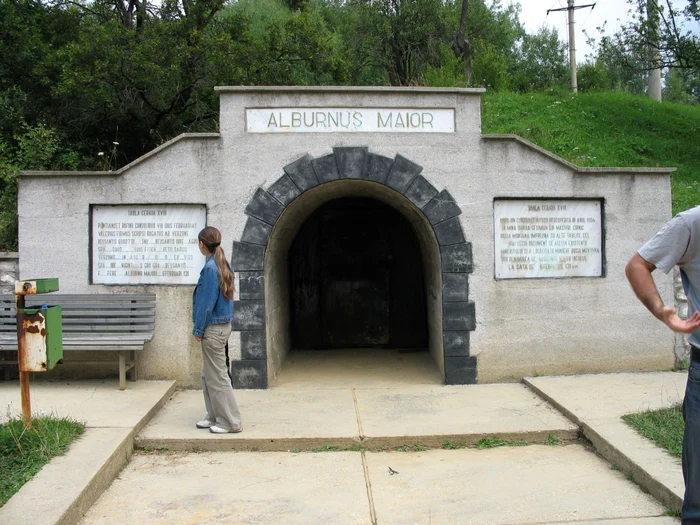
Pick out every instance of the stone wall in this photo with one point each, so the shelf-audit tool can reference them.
(9, 271)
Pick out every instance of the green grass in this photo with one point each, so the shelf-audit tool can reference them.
(606, 130)
(664, 427)
(23, 453)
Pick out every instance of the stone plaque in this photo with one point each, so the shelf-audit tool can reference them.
(350, 120)
(548, 238)
(147, 243)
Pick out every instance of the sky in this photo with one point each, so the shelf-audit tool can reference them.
(534, 14)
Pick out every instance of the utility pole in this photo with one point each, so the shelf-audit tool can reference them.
(654, 74)
(572, 39)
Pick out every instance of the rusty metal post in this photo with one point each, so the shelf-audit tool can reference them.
(21, 355)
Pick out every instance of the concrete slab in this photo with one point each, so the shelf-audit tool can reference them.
(534, 484)
(236, 488)
(597, 402)
(273, 420)
(65, 488)
(282, 419)
(434, 415)
(357, 367)
(625, 521)
(97, 403)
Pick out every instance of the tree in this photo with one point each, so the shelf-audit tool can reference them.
(461, 45)
(658, 34)
(541, 62)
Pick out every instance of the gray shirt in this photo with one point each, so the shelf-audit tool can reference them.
(678, 243)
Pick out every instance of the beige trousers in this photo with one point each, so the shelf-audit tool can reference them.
(222, 408)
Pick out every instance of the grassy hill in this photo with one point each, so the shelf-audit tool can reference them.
(606, 129)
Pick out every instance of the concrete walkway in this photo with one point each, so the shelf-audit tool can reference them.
(405, 460)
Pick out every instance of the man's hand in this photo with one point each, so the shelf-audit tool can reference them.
(670, 318)
(197, 338)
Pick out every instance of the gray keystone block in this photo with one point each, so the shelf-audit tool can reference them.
(459, 316)
(441, 208)
(351, 162)
(455, 287)
(421, 191)
(457, 258)
(256, 231)
(247, 256)
(402, 173)
(449, 232)
(325, 168)
(249, 373)
(253, 345)
(284, 190)
(248, 315)
(377, 168)
(251, 284)
(460, 371)
(264, 206)
(456, 344)
(302, 173)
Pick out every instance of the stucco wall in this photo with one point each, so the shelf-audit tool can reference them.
(524, 327)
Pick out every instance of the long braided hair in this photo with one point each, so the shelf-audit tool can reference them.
(211, 237)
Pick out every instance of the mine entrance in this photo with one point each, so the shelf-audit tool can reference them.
(356, 279)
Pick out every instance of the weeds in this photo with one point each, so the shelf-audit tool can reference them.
(664, 427)
(24, 452)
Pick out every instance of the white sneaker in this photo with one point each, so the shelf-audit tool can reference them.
(215, 429)
(204, 423)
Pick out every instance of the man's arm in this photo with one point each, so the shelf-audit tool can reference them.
(638, 272)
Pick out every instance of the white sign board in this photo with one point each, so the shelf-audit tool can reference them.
(350, 120)
(548, 238)
(147, 244)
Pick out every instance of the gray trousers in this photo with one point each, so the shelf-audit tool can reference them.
(222, 408)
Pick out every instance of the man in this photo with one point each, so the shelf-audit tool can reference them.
(678, 243)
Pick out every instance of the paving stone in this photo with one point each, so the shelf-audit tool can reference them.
(264, 207)
(302, 173)
(249, 373)
(256, 231)
(441, 208)
(284, 190)
(455, 343)
(455, 287)
(253, 345)
(459, 316)
(457, 258)
(402, 173)
(247, 256)
(237, 488)
(449, 232)
(351, 162)
(325, 168)
(248, 315)
(460, 370)
(421, 191)
(506, 485)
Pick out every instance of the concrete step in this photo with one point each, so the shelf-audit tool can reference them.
(367, 418)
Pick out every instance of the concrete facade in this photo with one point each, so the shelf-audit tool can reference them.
(257, 191)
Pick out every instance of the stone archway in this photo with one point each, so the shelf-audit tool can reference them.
(274, 217)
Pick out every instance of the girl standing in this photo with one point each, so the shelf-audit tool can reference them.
(212, 305)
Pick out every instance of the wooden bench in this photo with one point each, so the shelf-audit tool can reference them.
(95, 322)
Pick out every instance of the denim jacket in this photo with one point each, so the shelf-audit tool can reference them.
(209, 306)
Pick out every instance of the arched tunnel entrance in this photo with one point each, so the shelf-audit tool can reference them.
(353, 252)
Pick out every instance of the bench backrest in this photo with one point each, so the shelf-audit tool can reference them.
(91, 316)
